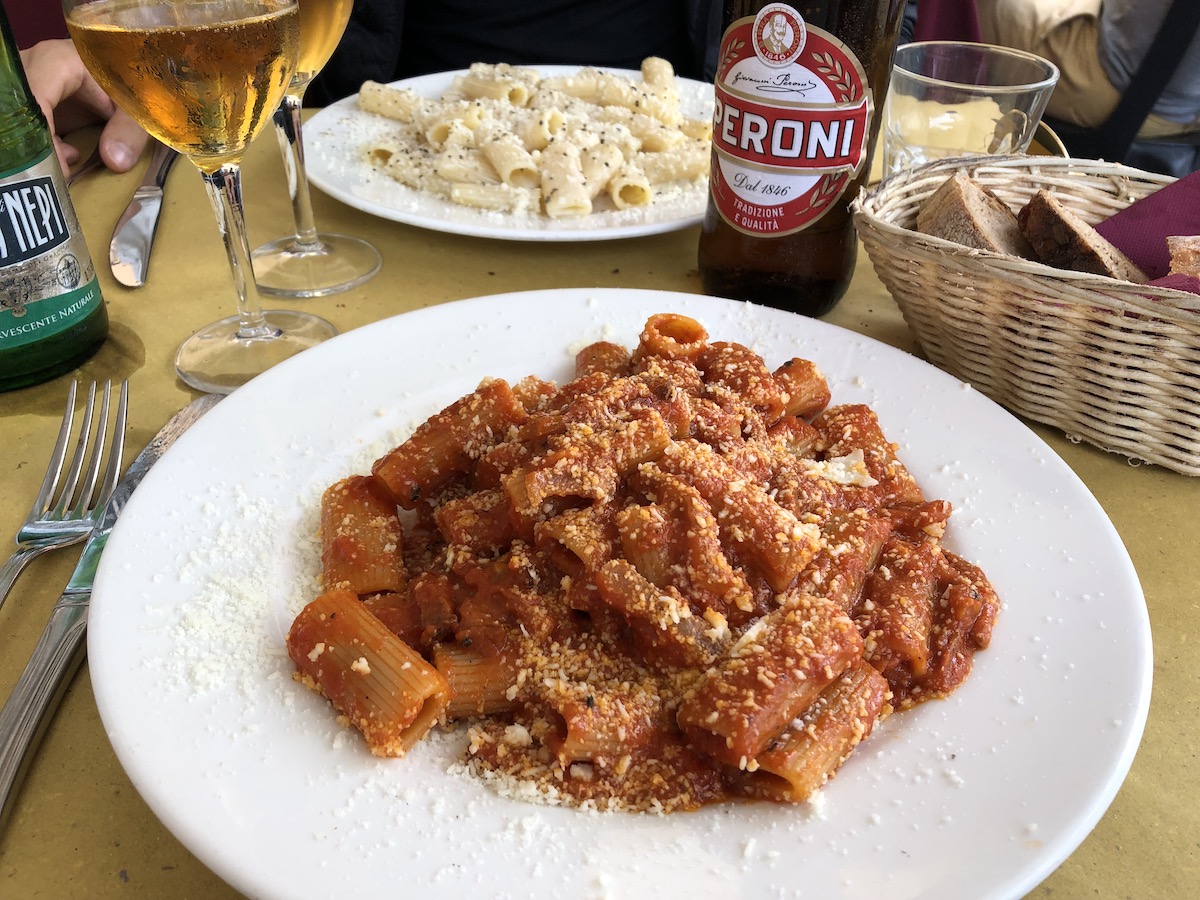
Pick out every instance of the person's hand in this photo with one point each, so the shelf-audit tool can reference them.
(71, 98)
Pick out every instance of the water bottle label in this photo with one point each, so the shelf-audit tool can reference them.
(48, 317)
(47, 280)
(31, 220)
(791, 122)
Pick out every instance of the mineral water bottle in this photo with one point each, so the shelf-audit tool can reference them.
(52, 316)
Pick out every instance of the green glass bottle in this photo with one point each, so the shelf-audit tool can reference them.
(52, 316)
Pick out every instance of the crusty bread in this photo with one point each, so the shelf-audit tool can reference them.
(1185, 254)
(1061, 238)
(963, 211)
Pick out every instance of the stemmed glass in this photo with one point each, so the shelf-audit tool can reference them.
(308, 263)
(202, 76)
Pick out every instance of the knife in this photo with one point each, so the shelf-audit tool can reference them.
(61, 648)
(133, 236)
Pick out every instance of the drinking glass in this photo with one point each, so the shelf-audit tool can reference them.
(202, 76)
(957, 98)
(308, 263)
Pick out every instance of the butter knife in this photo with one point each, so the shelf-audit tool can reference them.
(133, 236)
(61, 648)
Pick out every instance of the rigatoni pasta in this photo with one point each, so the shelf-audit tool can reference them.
(680, 578)
(562, 146)
(381, 685)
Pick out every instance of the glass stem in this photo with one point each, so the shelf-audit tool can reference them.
(224, 186)
(289, 131)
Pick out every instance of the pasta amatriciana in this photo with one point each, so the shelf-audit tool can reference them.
(680, 578)
(506, 138)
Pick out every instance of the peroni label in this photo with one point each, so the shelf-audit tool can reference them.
(790, 124)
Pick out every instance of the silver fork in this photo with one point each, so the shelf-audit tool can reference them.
(90, 164)
(66, 515)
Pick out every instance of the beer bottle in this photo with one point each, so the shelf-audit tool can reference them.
(52, 316)
(798, 87)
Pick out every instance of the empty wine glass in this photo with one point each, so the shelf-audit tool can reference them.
(202, 76)
(308, 263)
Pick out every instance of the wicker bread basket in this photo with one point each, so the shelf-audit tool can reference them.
(1109, 362)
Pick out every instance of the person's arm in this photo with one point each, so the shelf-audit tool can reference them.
(1127, 31)
(71, 98)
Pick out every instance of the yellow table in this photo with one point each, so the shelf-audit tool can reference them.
(79, 829)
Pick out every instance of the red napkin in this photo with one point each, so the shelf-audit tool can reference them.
(1140, 231)
(946, 20)
(1178, 282)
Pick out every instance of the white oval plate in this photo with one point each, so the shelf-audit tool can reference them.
(336, 137)
(979, 795)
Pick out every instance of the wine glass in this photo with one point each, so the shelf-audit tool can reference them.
(308, 263)
(202, 76)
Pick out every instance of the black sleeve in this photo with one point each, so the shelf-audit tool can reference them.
(704, 34)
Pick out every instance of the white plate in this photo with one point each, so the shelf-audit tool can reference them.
(981, 795)
(334, 142)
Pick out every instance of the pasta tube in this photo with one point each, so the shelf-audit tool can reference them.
(630, 187)
(807, 754)
(486, 196)
(739, 369)
(599, 164)
(767, 535)
(480, 683)
(380, 684)
(508, 156)
(583, 85)
(602, 356)
(851, 427)
(662, 105)
(459, 162)
(672, 336)
(400, 104)
(494, 83)
(660, 619)
(805, 385)
(652, 135)
(599, 725)
(658, 72)
(897, 608)
(775, 671)
(446, 444)
(683, 163)
(360, 537)
(540, 128)
(438, 122)
(564, 190)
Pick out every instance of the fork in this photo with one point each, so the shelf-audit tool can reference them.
(90, 164)
(66, 515)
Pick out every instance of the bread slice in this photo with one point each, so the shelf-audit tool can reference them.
(966, 212)
(1185, 254)
(1061, 238)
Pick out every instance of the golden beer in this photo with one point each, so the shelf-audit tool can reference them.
(309, 263)
(202, 78)
(322, 23)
